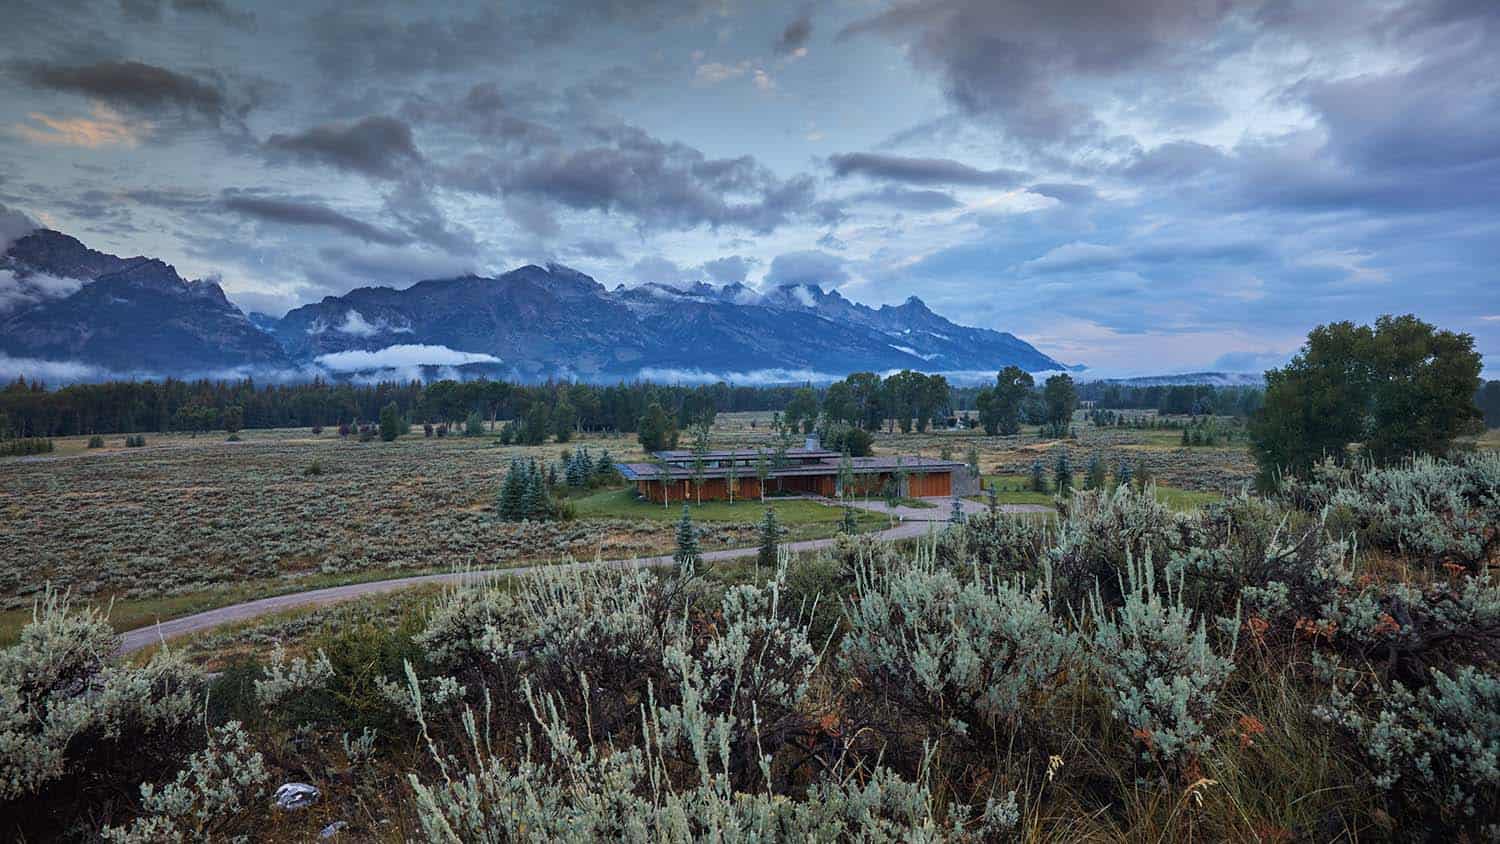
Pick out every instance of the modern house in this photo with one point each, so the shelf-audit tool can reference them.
(810, 469)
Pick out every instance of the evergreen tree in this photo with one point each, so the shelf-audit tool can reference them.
(473, 425)
(992, 494)
(1038, 476)
(390, 422)
(564, 419)
(234, 420)
(1123, 474)
(1142, 474)
(1064, 474)
(604, 468)
(956, 515)
(687, 556)
(850, 524)
(770, 539)
(511, 491)
(1095, 478)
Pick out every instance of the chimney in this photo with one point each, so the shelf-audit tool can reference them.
(812, 443)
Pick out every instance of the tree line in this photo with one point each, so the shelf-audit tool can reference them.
(31, 409)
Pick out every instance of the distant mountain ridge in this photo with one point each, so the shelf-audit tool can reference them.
(130, 315)
(137, 315)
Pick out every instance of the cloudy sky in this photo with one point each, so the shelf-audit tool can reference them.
(1140, 186)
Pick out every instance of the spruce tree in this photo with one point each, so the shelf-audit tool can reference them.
(1122, 475)
(1038, 476)
(992, 494)
(1095, 479)
(770, 539)
(1064, 474)
(687, 556)
(390, 422)
(956, 515)
(850, 524)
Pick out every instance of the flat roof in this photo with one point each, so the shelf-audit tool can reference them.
(861, 466)
(798, 453)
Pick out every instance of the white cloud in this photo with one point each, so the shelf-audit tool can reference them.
(667, 375)
(16, 291)
(403, 355)
(52, 371)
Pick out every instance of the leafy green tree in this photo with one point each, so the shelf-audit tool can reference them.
(234, 419)
(687, 555)
(1000, 406)
(1060, 395)
(839, 404)
(762, 472)
(474, 424)
(1489, 403)
(656, 430)
(390, 422)
(802, 410)
(1400, 388)
(564, 419)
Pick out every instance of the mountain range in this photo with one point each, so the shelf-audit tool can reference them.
(64, 302)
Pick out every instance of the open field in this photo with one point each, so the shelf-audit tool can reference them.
(189, 523)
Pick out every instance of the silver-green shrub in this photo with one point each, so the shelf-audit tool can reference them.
(67, 711)
(1441, 741)
(1154, 658)
(965, 656)
(1100, 530)
(1441, 511)
(207, 799)
(288, 677)
(558, 788)
(1000, 541)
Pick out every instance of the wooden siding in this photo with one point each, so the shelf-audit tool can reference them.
(714, 489)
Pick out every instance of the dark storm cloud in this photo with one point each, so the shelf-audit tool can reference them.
(907, 199)
(412, 203)
(599, 249)
(369, 42)
(920, 171)
(299, 213)
(661, 185)
(1005, 59)
(809, 267)
(733, 269)
(796, 34)
(151, 11)
(488, 111)
(381, 147)
(129, 84)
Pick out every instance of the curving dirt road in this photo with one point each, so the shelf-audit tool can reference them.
(918, 522)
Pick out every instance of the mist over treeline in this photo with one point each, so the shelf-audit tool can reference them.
(32, 409)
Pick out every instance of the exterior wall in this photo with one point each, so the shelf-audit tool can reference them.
(714, 489)
(928, 485)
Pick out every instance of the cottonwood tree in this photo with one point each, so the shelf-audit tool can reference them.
(1000, 406)
(1400, 388)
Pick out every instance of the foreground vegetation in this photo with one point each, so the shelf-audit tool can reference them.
(1315, 665)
